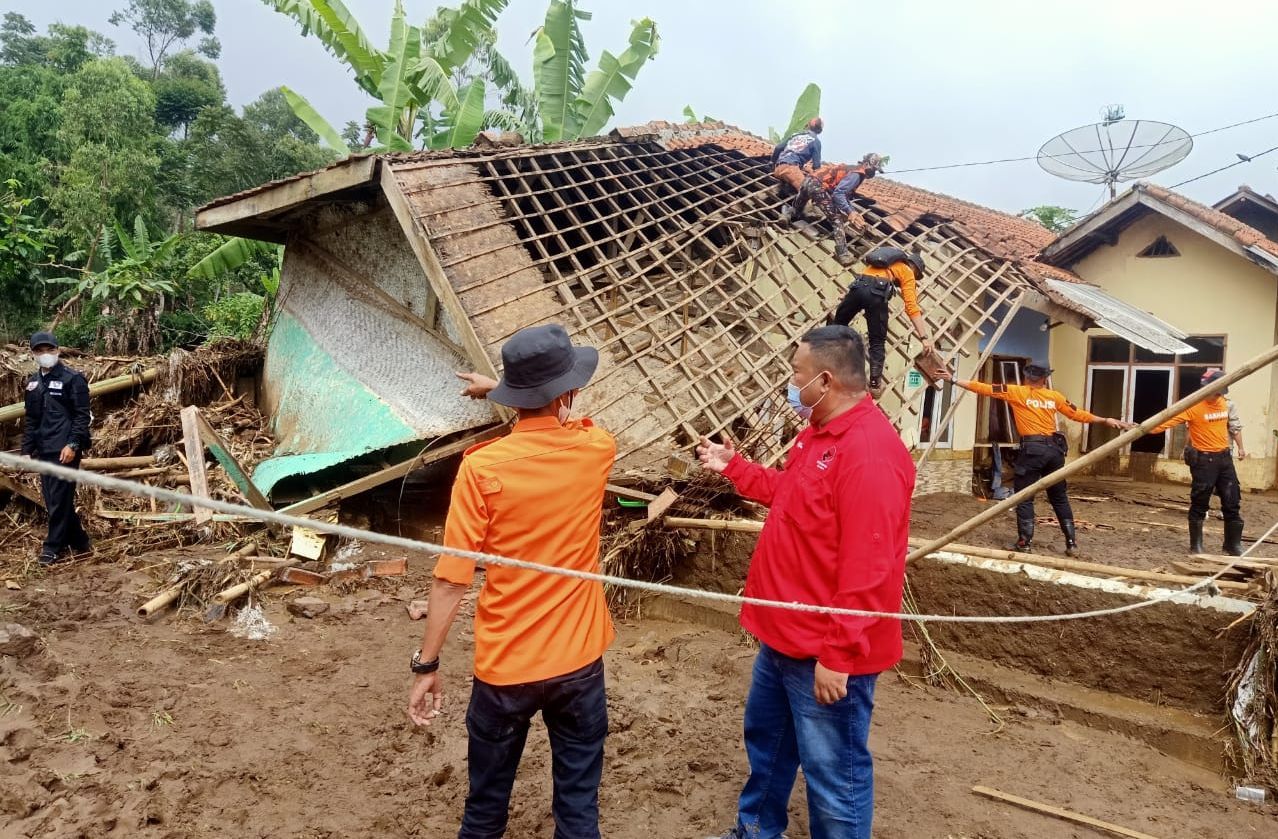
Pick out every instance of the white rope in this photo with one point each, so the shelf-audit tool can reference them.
(168, 495)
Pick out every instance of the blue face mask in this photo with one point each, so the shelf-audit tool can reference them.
(793, 395)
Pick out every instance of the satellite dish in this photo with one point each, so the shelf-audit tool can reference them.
(1115, 150)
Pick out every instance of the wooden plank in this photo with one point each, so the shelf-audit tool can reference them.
(1060, 813)
(194, 447)
(390, 473)
(627, 492)
(9, 485)
(349, 173)
(663, 502)
(136, 515)
(222, 453)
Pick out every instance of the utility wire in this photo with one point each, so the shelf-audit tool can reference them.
(1072, 154)
(1241, 161)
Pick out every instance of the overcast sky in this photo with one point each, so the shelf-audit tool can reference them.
(930, 82)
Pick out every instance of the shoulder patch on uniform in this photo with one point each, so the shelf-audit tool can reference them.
(32, 385)
(490, 485)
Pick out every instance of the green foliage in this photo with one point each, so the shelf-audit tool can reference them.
(165, 24)
(188, 85)
(691, 115)
(25, 243)
(235, 316)
(615, 77)
(65, 49)
(1055, 219)
(108, 123)
(807, 107)
(234, 253)
(133, 268)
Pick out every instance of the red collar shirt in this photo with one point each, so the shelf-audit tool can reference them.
(836, 535)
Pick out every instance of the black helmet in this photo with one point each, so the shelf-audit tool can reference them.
(887, 256)
(1035, 370)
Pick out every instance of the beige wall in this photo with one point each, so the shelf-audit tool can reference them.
(1207, 290)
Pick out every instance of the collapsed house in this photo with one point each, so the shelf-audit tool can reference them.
(660, 246)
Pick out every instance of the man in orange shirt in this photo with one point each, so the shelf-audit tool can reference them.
(1043, 447)
(536, 494)
(831, 187)
(887, 271)
(1212, 423)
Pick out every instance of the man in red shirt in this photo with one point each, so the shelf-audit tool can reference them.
(836, 535)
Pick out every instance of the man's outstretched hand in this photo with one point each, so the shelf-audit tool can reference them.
(477, 385)
(716, 456)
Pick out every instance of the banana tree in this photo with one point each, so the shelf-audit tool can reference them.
(571, 104)
(406, 77)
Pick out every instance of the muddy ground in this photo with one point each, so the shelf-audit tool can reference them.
(175, 729)
(1119, 522)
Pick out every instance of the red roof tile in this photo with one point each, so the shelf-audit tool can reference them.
(1244, 234)
(1003, 235)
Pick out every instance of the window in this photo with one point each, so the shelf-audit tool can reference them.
(1159, 248)
(993, 416)
(1132, 383)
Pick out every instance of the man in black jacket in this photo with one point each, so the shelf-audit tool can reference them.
(57, 431)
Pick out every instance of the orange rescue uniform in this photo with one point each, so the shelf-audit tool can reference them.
(1034, 409)
(901, 273)
(535, 494)
(1208, 424)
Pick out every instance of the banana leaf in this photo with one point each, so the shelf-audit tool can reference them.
(230, 255)
(464, 30)
(340, 33)
(468, 120)
(614, 79)
(307, 114)
(559, 57)
(807, 107)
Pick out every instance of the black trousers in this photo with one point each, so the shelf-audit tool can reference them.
(65, 530)
(861, 297)
(575, 710)
(1214, 473)
(1037, 459)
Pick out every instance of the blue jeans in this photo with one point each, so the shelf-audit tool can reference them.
(575, 710)
(786, 728)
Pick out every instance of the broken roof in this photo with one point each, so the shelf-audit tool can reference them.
(1144, 198)
(659, 246)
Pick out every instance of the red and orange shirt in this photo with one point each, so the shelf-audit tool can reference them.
(1034, 409)
(535, 494)
(1209, 424)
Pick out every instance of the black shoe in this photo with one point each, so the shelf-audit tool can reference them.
(1233, 538)
(845, 259)
(1196, 537)
(1071, 537)
(46, 558)
(1022, 546)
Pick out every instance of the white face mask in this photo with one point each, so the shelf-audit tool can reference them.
(565, 410)
(46, 360)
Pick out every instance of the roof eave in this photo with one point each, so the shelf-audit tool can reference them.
(252, 214)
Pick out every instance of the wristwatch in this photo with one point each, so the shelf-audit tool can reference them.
(422, 667)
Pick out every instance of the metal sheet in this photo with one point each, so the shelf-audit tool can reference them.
(1125, 320)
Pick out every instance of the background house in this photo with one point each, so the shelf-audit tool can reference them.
(1210, 271)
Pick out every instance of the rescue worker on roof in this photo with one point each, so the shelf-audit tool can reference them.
(1213, 422)
(1034, 409)
(796, 153)
(831, 187)
(57, 431)
(888, 269)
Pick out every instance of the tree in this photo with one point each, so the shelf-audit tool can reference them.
(65, 49)
(25, 243)
(1055, 219)
(108, 126)
(188, 85)
(164, 24)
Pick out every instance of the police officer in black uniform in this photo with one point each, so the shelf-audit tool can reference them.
(57, 431)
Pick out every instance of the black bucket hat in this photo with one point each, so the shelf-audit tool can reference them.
(539, 363)
(40, 339)
(1036, 370)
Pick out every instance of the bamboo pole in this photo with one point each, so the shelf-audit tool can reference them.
(170, 594)
(18, 410)
(235, 592)
(104, 464)
(1261, 361)
(1084, 567)
(738, 525)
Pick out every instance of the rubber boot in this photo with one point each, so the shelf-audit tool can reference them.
(1233, 538)
(843, 257)
(787, 213)
(1024, 537)
(1196, 537)
(876, 380)
(1071, 537)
